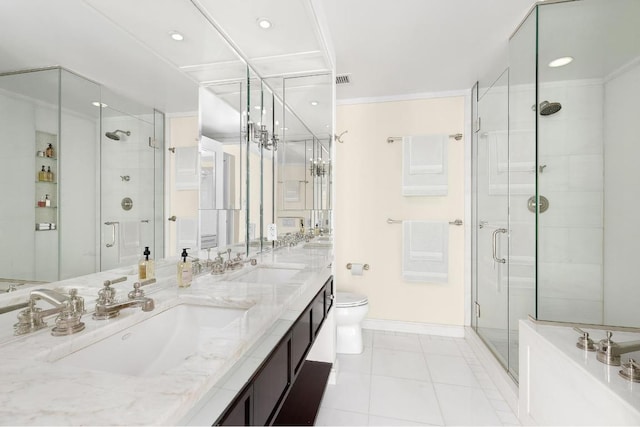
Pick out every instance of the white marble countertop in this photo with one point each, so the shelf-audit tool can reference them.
(37, 390)
(565, 339)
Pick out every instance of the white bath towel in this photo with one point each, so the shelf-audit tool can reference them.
(187, 234)
(186, 168)
(424, 165)
(292, 191)
(425, 251)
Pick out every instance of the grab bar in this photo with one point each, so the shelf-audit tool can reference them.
(399, 221)
(113, 233)
(494, 246)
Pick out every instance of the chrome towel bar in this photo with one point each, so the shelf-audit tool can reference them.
(399, 221)
(392, 139)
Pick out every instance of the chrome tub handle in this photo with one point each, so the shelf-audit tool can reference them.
(494, 245)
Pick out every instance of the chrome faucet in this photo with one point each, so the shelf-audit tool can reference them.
(68, 308)
(107, 307)
(609, 352)
(219, 265)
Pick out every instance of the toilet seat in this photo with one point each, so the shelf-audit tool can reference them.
(348, 299)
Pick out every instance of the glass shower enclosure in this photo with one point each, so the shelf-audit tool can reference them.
(62, 178)
(554, 175)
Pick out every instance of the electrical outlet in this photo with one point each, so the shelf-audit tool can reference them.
(272, 232)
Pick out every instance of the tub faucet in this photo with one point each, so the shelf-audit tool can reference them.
(609, 352)
(68, 308)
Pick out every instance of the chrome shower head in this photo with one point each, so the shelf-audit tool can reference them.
(548, 108)
(114, 135)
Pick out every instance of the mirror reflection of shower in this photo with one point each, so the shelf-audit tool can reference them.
(114, 135)
(548, 108)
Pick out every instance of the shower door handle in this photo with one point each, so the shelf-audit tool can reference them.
(113, 233)
(494, 244)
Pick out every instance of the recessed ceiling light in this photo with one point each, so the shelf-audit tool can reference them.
(264, 23)
(314, 103)
(257, 107)
(99, 104)
(176, 36)
(560, 62)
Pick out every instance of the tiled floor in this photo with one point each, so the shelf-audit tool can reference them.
(410, 379)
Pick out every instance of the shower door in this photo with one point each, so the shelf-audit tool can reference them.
(127, 178)
(491, 219)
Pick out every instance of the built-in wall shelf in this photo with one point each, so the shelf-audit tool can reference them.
(46, 149)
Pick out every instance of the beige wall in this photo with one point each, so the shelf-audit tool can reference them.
(368, 180)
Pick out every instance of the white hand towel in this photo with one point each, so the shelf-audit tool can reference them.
(425, 253)
(424, 165)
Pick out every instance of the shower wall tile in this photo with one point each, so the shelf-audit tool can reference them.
(558, 280)
(586, 172)
(570, 310)
(585, 244)
(572, 209)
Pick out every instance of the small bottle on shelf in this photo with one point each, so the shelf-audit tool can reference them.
(42, 174)
(49, 174)
(47, 201)
(41, 202)
(49, 151)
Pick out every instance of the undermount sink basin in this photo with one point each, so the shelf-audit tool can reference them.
(268, 274)
(156, 344)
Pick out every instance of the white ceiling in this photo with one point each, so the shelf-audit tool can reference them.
(390, 47)
(396, 47)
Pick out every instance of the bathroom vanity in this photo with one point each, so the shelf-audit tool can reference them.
(228, 350)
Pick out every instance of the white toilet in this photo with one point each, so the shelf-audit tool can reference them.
(351, 310)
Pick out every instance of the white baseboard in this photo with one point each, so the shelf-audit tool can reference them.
(504, 383)
(414, 327)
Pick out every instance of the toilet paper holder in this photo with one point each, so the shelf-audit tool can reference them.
(364, 267)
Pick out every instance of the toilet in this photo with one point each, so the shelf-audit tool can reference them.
(351, 310)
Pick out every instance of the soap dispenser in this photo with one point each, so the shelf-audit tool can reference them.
(146, 266)
(302, 226)
(42, 174)
(49, 174)
(184, 270)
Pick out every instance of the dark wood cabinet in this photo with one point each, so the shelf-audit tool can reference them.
(317, 311)
(270, 388)
(301, 338)
(240, 411)
(271, 384)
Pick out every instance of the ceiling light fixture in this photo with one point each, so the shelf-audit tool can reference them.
(176, 36)
(99, 104)
(314, 103)
(257, 107)
(264, 23)
(560, 62)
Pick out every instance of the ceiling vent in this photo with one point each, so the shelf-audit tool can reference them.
(343, 79)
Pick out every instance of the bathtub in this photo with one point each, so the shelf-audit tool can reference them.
(561, 384)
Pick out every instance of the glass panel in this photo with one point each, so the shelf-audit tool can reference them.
(29, 121)
(587, 114)
(522, 176)
(492, 176)
(78, 183)
(127, 181)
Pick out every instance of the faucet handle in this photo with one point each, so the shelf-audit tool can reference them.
(68, 321)
(630, 371)
(584, 342)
